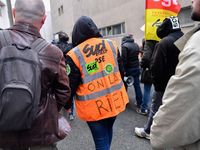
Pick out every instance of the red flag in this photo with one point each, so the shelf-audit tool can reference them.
(156, 12)
(171, 5)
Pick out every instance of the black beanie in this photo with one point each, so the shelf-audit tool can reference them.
(169, 24)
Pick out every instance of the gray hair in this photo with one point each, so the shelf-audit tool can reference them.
(29, 10)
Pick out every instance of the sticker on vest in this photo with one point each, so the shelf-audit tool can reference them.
(109, 69)
(92, 67)
(68, 68)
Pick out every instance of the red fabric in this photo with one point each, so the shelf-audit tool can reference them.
(171, 5)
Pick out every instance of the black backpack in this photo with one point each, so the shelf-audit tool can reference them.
(20, 83)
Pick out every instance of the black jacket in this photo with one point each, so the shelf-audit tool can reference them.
(146, 60)
(64, 46)
(84, 29)
(165, 57)
(147, 53)
(130, 52)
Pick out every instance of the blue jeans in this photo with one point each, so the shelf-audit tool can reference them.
(146, 96)
(156, 103)
(72, 108)
(135, 72)
(102, 132)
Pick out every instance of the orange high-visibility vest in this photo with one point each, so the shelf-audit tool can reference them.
(101, 93)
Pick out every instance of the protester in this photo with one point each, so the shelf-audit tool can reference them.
(164, 62)
(176, 124)
(63, 43)
(53, 42)
(49, 126)
(141, 50)
(100, 95)
(130, 52)
(66, 47)
(149, 46)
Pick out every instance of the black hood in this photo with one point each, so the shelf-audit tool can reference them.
(127, 38)
(84, 29)
(169, 24)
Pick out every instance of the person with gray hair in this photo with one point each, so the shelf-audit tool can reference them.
(49, 126)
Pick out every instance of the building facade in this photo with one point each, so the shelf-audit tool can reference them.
(114, 18)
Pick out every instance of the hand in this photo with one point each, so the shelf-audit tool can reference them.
(68, 110)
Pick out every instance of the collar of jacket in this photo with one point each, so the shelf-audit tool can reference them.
(180, 43)
(25, 27)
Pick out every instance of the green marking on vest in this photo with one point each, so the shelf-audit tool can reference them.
(109, 68)
(92, 67)
(68, 68)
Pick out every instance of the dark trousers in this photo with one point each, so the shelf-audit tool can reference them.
(155, 104)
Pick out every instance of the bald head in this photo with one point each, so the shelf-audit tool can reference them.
(29, 11)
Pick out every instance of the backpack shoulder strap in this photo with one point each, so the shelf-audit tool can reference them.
(5, 38)
(39, 44)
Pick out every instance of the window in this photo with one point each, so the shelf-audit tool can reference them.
(0, 12)
(109, 31)
(113, 30)
(60, 10)
(103, 31)
(123, 27)
(117, 29)
(185, 17)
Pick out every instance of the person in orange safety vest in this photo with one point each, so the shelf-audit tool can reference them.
(96, 71)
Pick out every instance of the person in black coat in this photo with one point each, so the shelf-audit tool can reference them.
(163, 65)
(149, 46)
(78, 37)
(130, 52)
(65, 47)
(85, 31)
(63, 44)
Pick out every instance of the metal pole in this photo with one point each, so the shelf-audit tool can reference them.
(10, 15)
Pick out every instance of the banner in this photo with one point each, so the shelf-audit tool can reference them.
(156, 12)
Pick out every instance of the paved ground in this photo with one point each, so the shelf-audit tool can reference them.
(124, 137)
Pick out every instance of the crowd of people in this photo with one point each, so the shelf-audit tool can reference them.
(89, 73)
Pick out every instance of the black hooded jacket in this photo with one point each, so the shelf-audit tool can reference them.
(165, 56)
(84, 29)
(130, 52)
(64, 46)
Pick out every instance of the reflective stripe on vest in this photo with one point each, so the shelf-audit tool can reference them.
(101, 93)
(79, 55)
(96, 76)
